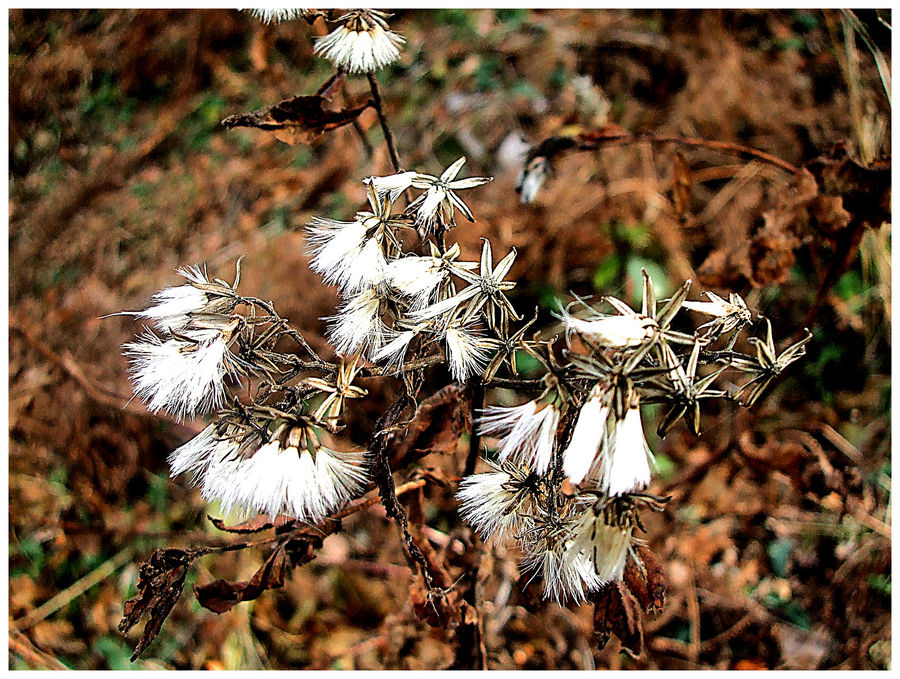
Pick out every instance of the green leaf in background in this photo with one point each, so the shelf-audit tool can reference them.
(779, 553)
(605, 275)
(880, 583)
(527, 364)
(664, 467)
(660, 277)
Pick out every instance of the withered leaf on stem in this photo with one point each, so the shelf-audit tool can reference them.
(160, 584)
(436, 427)
(644, 578)
(298, 120)
(254, 525)
(220, 596)
(616, 612)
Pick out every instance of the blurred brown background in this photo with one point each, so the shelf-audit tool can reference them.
(776, 545)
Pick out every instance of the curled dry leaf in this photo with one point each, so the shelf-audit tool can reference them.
(436, 427)
(221, 595)
(298, 120)
(160, 584)
(301, 119)
(644, 578)
(254, 525)
(616, 611)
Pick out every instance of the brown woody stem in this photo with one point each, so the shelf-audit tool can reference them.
(388, 137)
(591, 143)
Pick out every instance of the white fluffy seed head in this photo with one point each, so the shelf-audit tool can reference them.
(184, 378)
(604, 544)
(528, 433)
(344, 256)
(466, 353)
(612, 331)
(545, 558)
(416, 278)
(367, 270)
(357, 325)
(426, 217)
(173, 306)
(578, 571)
(566, 578)
(273, 15)
(588, 438)
(391, 185)
(335, 247)
(282, 479)
(394, 352)
(625, 464)
(362, 51)
(443, 307)
(713, 308)
(196, 455)
(492, 504)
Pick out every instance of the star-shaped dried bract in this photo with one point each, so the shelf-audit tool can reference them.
(506, 351)
(664, 314)
(727, 316)
(768, 364)
(681, 387)
(439, 199)
(489, 288)
(338, 390)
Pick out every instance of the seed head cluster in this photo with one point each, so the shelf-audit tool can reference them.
(568, 471)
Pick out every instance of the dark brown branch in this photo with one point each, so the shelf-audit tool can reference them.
(593, 141)
(384, 479)
(388, 137)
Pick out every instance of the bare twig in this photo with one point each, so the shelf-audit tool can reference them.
(361, 133)
(388, 136)
(726, 147)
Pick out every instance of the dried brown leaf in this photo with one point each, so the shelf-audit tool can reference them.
(644, 578)
(298, 120)
(616, 611)
(221, 595)
(254, 525)
(436, 427)
(160, 584)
